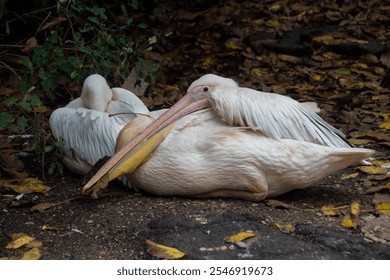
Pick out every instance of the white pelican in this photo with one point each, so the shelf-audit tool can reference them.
(222, 140)
(85, 126)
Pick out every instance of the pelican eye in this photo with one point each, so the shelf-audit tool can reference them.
(205, 89)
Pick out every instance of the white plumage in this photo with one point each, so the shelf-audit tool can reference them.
(249, 145)
(86, 126)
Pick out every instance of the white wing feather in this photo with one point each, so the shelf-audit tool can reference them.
(275, 115)
(88, 135)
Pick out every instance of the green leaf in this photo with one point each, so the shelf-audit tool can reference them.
(10, 101)
(5, 119)
(152, 40)
(142, 25)
(21, 122)
(94, 20)
(27, 63)
(97, 11)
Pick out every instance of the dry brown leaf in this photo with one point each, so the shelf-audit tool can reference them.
(378, 188)
(42, 206)
(289, 58)
(279, 204)
(289, 228)
(162, 251)
(30, 45)
(239, 236)
(361, 141)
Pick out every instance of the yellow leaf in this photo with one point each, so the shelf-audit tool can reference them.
(385, 125)
(6, 91)
(162, 251)
(41, 109)
(381, 163)
(383, 208)
(350, 176)
(384, 115)
(330, 210)
(355, 208)
(233, 44)
(33, 254)
(361, 141)
(259, 72)
(239, 237)
(46, 227)
(19, 242)
(28, 185)
(349, 223)
(317, 77)
(273, 22)
(34, 244)
(207, 62)
(373, 170)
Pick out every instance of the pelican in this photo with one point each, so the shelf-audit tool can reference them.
(89, 125)
(222, 140)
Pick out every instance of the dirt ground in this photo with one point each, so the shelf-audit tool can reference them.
(294, 49)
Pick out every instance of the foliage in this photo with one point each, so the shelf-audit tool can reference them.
(75, 39)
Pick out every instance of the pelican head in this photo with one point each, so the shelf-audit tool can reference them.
(139, 149)
(96, 93)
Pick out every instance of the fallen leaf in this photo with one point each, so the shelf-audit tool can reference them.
(41, 109)
(330, 210)
(29, 185)
(362, 141)
(162, 251)
(42, 206)
(19, 241)
(373, 170)
(355, 208)
(349, 223)
(385, 125)
(49, 228)
(233, 44)
(276, 203)
(33, 254)
(34, 244)
(350, 176)
(289, 228)
(383, 208)
(239, 236)
(30, 45)
(378, 188)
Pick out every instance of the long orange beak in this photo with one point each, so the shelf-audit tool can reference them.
(139, 149)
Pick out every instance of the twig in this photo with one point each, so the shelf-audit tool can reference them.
(10, 69)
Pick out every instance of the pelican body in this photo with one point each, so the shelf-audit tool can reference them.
(89, 125)
(221, 140)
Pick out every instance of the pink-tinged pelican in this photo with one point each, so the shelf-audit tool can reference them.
(86, 126)
(222, 140)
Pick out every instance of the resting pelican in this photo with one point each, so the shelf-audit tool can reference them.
(85, 126)
(222, 140)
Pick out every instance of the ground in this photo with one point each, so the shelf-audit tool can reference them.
(333, 54)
